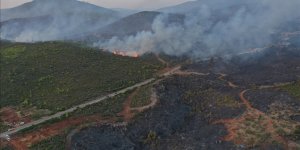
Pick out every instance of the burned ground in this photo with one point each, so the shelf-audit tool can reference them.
(248, 102)
(184, 115)
(110, 137)
(272, 65)
(263, 99)
(215, 111)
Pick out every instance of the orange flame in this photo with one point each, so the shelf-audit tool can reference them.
(128, 53)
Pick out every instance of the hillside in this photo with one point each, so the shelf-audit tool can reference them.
(131, 25)
(181, 8)
(47, 7)
(42, 20)
(251, 104)
(205, 104)
(201, 75)
(54, 76)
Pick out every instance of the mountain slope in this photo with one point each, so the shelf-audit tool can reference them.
(53, 7)
(131, 25)
(57, 75)
(59, 18)
(181, 8)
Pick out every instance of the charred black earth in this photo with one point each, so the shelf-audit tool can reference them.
(246, 102)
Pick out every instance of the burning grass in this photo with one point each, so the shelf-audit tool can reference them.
(126, 53)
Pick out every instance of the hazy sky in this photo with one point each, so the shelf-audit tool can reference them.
(131, 4)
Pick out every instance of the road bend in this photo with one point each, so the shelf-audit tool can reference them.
(7, 134)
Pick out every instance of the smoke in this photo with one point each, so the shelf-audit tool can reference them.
(46, 20)
(212, 27)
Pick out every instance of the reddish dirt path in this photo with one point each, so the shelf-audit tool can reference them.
(24, 141)
(153, 100)
(244, 100)
(126, 112)
(12, 118)
(230, 84)
(233, 125)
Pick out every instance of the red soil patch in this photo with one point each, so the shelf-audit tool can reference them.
(126, 112)
(153, 99)
(163, 71)
(11, 117)
(24, 141)
(245, 101)
(234, 125)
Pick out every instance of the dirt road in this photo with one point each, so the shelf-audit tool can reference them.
(6, 135)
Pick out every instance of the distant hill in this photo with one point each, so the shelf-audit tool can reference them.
(131, 25)
(53, 8)
(213, 10)
(47, 20)
(181, 8)
(53, 19)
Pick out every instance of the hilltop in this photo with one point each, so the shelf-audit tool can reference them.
(53, 20)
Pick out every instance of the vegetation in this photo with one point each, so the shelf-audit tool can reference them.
(39, 126)
(57, 75)
(151, 137)
(5, 147)
(3, 127)
(296, 134)
(142, 97)
(293, 89)
(210, 96)
(107, 108)
(57, 142)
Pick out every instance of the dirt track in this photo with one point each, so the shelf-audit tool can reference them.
(22, 142)
(59, 114)
(234, 125)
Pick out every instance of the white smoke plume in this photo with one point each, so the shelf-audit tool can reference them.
(46, 20)
(212, 27)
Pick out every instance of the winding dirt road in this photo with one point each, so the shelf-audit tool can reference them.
(235, 126)
(7, 134)
(231, 84)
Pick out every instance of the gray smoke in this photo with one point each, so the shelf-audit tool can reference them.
(212, 27)
(45, 20)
